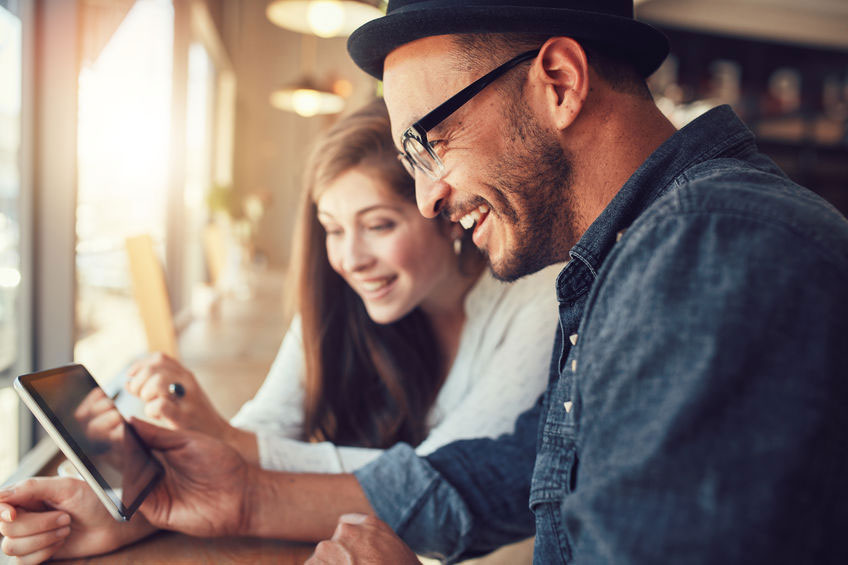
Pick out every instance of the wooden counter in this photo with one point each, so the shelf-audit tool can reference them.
(175, 549)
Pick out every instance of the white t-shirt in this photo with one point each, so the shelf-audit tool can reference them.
(501, 368)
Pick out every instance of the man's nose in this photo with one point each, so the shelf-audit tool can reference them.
(432, 196)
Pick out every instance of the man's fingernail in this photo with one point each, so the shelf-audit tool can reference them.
(352, 518)
(6, 515)
(63, 520)
(6, 493)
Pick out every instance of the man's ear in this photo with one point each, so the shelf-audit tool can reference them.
(562, 72)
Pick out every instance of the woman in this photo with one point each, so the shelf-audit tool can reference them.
(400, 334)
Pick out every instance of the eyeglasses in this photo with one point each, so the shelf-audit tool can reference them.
(417, 152)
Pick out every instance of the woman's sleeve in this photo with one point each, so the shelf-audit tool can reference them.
(275, 415)
(277, 408)
(513, 363)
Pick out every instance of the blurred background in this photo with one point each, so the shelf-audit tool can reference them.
(176, 130)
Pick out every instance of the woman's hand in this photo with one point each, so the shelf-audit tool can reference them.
(151, 379)
(60, 517)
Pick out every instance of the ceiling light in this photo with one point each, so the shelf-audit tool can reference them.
(324, 18)
(307, 100)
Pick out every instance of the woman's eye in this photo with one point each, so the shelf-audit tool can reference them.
(384, 226)
(332, 231)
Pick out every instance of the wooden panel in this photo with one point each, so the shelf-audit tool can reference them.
(151, 295)
(215, 247)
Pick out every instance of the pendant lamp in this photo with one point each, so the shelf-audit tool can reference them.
(324, 18)
(306, 99)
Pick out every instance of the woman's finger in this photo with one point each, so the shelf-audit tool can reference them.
(21, 547)
(41, 555)
(27, 524)
(163, 408)
(106, 426)
(156, 385)
(134, 384)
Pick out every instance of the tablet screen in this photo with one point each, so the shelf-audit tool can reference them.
(91, 425)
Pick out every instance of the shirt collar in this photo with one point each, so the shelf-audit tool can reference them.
(718, 132)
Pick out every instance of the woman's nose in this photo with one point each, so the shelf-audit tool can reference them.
(357, 255)
(432, 196)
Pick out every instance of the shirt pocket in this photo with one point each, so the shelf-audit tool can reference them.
(554, 473)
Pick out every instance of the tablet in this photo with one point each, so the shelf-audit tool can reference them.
(86, 425)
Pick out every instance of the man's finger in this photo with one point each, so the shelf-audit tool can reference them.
(157, 437)
(330, 552)
(348, 524)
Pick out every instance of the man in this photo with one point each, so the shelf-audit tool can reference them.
(694, 412)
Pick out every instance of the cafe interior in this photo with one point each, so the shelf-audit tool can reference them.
(151, 165)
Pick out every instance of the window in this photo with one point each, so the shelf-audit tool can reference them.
(11, 57)
(123, 159)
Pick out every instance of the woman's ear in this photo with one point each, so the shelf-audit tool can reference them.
(561, 71)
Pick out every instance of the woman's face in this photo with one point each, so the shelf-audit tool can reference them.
(392, 256)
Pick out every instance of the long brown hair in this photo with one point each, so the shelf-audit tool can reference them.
(367, 384)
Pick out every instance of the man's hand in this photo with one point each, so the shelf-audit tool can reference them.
(206, 484)
(363, 540)
(55, 517)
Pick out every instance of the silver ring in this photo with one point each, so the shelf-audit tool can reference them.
(176, 389)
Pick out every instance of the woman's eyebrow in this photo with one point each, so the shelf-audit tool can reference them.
(363, 211)
(377, 207)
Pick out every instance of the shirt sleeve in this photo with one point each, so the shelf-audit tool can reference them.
(466, 499)
(711, 370)
(277, 408)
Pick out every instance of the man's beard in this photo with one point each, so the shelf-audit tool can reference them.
(534, 198)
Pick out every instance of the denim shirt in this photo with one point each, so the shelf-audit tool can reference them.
(696, 411)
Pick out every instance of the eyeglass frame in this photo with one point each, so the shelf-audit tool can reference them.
(417, 132)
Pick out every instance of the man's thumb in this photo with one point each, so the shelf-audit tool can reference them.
(156, 437)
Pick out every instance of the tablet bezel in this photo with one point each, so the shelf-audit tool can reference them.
(57, 430)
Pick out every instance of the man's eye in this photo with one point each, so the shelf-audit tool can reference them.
(332, 232)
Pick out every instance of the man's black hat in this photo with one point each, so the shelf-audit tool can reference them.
(603, 22)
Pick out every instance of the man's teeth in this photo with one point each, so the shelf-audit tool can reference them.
(371, 286)
(473, 217)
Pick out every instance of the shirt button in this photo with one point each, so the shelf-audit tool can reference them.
(573, 339)
(619, 235)
(568, 405)
(574, 365)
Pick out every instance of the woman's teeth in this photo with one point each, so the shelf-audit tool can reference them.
(468, 220)
(372, 286)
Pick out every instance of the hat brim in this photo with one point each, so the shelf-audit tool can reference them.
(637, 42)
